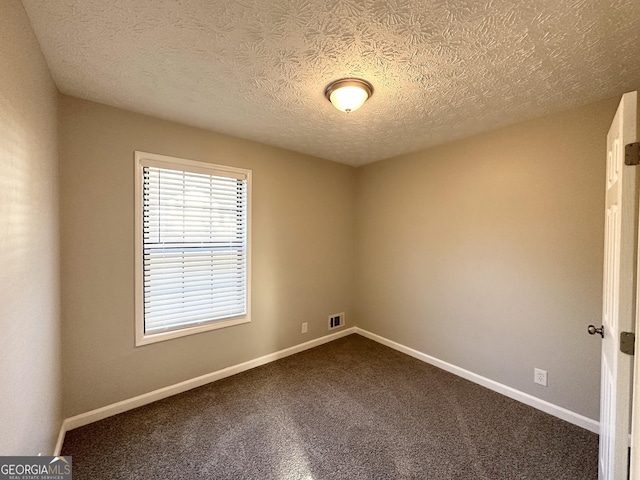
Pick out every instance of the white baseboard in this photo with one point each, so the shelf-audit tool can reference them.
(525, 398)
(60, 441)
(146, 398)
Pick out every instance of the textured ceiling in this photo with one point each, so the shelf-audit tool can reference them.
(257, 69)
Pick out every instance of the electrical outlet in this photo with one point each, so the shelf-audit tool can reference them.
(540, 377)
(304, 327)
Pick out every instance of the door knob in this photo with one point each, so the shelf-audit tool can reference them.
(593, 330)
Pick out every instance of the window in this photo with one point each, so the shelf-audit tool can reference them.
(192, 247)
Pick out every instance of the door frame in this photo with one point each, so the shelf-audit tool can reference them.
(634, 457)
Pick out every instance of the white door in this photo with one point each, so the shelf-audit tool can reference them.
(619, 293)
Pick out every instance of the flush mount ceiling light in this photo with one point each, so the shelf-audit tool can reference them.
(348, 94)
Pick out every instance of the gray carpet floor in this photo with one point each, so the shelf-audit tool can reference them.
(350, 409)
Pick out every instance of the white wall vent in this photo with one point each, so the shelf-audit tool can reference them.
(336, 320)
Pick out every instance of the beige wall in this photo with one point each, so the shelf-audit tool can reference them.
(487, 253)
(30, 378)
(303, 239)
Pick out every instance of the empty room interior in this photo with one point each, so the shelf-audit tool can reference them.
(397, 289)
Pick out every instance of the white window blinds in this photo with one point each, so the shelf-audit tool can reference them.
(194, 241)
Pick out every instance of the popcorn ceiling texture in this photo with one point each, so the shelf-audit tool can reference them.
(257, 69)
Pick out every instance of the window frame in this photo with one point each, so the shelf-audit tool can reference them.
(144, 159)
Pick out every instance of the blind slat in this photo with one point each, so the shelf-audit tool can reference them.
(158, 290)
(184, 322)
(194, 295)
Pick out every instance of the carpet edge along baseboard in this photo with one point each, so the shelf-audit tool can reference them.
(146, 398)
(528, 399)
